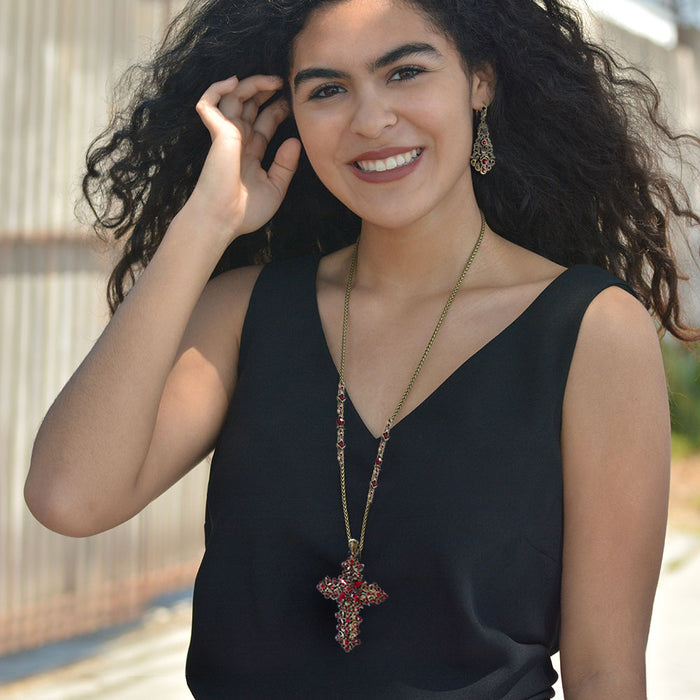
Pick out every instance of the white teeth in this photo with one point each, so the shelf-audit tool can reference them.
(380, 166)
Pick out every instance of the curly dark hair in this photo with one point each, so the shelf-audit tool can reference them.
(577, 178)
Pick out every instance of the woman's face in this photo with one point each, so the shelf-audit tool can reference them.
(384, 109)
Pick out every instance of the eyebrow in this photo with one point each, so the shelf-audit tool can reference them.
(382, 62)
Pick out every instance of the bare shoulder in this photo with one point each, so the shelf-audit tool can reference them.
(615, 403)
(617, 369)
(233, 288)
(222, 308)
(617, 359)
(616, 330)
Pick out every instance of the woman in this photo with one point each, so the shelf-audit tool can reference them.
(521, 475)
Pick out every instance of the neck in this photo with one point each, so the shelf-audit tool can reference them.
(421, 258)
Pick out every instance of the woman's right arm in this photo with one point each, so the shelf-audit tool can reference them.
(147, 402)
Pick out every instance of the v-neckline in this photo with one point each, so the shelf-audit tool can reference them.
(451, 377)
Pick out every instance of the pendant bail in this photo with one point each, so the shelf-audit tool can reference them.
(354, 547)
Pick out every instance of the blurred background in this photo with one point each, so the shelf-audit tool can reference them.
(58, 63)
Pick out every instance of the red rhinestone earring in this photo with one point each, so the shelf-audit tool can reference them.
(483, 159)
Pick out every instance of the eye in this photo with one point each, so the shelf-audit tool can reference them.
(325, 91)
(405, 73)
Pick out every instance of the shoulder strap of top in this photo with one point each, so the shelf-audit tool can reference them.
(546, 339)
(567, 298)
(284, 291)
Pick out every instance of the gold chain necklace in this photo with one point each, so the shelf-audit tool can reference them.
(350, 591)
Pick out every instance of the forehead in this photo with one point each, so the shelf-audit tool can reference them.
(359, 30)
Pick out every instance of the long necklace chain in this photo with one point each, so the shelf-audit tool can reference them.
(354, 545)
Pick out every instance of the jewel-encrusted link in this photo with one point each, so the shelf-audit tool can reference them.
(340, 445)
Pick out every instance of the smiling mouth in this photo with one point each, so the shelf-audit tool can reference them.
(392, 163)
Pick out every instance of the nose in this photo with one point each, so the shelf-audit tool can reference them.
(373, 113)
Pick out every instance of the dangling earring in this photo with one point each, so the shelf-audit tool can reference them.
(482, 159)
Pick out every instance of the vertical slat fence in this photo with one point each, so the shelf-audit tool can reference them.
(58, 61)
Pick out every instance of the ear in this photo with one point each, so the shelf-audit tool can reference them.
(483, 89)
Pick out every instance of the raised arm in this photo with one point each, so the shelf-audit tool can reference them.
(147, 402)
(615, 442)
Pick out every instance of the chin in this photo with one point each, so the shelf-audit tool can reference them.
(387, 221)
(387, 212)
(401, 218)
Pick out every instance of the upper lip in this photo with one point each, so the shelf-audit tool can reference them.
(384, 153)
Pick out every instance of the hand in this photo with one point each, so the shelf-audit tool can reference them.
(233, 190)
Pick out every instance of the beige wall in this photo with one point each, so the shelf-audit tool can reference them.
(58, 60)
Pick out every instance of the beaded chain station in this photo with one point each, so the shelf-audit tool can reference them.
(350, 590)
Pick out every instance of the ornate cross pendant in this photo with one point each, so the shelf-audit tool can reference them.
(352, 593)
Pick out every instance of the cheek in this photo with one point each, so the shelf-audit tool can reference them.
(319, 138)
(447, 123)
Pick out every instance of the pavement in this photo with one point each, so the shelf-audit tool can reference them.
(673, 652)
(146, 659)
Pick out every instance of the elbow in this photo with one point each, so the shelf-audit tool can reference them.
(50, 510)
(52, 504)
(71, 493)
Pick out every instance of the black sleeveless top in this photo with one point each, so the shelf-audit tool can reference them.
(465, 533)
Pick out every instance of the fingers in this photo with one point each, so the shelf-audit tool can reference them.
(266, 125)
(232, 108)
(245, 99)
(216, 91)
(236, 101)
(284, 166)
(207, 107)
(250, 87)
